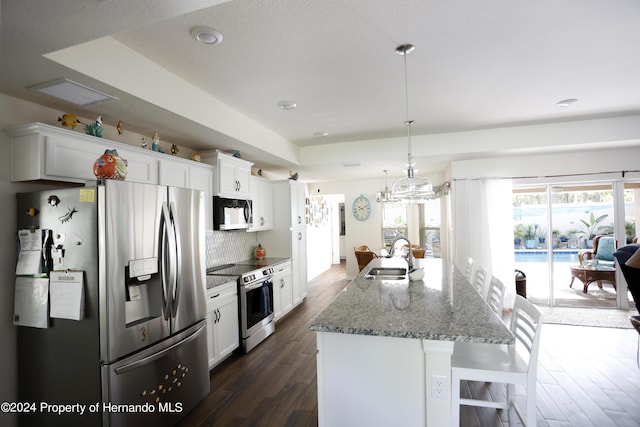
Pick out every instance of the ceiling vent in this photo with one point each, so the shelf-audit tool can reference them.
(73, 92)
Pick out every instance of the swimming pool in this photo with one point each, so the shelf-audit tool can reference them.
(540, 255)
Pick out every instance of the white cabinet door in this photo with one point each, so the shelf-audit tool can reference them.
(282, 290)
(262, 197)
(243, 173)
(40, 151)
(70, 158)
(201, 178)
(298, 204)
(173, 173)
(228, 335)
(212, 319)
(227, 183)
(223, 334)
(233, 177)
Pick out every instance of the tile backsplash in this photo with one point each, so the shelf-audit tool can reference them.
(228, 247)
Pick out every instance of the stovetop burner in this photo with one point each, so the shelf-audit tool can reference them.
(230, 270)
(248, 273)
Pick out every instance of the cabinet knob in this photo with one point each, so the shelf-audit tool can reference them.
(261, 220)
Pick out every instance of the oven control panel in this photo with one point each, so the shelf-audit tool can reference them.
(257, 275)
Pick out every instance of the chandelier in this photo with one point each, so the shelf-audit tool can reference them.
(385, 195)
(412, 188)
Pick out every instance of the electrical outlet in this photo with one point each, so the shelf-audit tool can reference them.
(439, 387)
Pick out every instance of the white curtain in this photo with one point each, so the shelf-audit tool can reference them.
(483, 228)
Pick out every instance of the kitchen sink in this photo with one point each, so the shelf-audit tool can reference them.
(386, 273)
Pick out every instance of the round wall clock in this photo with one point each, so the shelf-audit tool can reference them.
(361, 208)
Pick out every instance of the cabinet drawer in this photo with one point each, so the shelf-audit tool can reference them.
(223, 291)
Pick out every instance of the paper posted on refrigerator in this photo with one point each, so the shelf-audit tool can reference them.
(31, 302)
(30, 252)
(66, 290)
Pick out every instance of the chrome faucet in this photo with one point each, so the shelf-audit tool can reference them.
(409, 254)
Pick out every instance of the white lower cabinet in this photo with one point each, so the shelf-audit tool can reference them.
(282, 290)
(222, 322)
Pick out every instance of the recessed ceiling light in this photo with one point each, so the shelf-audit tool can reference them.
(206, 35)
(71, 91)
(321, 134)
(567, 102)
(286, 105)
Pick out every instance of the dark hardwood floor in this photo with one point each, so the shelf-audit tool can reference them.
(275, 383)
(586, 376)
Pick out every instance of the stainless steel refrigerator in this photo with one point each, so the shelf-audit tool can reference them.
(138, 353)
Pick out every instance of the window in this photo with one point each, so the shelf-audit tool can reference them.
(423, 224)
(430, 226)
(394, 222)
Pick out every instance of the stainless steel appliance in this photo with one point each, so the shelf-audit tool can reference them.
(231, 214)
(140, 350)
(255, 292)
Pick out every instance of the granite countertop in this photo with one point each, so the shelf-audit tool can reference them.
(214, 281)
(442, 306)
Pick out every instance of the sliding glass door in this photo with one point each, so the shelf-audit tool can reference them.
(555, 227)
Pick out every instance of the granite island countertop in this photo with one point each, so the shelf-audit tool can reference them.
(442, 306)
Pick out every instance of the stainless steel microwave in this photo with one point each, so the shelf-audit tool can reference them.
(231, 214)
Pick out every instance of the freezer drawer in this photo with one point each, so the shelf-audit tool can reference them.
(160, 385)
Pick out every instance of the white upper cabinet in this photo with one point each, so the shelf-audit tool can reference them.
(298, 203)
(232, 175)
(43, 152)
(262, 197)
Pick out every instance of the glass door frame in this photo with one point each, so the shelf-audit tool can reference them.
(617, 188)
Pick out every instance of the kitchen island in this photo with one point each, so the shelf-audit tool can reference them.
(384, 346)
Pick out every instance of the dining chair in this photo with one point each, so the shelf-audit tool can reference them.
(363, 256)
(500, 363)
(480, 280)
(495, 295)
(468, 271)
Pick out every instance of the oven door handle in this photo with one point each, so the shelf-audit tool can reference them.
(258, 284)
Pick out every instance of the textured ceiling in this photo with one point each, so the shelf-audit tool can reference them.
(477, 67)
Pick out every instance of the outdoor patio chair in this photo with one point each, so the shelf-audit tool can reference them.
(499, 363)
(601, 254)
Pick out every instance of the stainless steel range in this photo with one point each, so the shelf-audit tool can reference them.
(255, 292)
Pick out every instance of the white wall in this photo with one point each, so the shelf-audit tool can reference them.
(555, 167)
(359, 232)
(323, 242)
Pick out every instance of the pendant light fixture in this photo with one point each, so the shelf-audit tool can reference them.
(385, 196)
(412, 188)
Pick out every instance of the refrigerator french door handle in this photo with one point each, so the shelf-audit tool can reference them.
(176, 260)
(158, 355)
(166, 258)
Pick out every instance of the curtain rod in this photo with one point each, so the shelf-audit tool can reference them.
(622, 172)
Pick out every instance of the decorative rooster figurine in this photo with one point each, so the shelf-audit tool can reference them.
(94, 128)
(110, 166)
